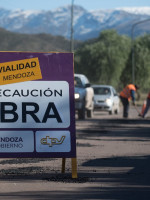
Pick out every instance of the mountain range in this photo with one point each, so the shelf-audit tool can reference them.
(42, 42)
(86, 24)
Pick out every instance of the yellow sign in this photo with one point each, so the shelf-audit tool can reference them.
(52, 141)
(20, 71)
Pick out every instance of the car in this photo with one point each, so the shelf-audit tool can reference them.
(106, 99)
(84, 96)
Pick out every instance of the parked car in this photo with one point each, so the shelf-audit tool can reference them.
(84, 96)
(106, 98)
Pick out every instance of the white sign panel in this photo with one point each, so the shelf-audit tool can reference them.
(36, 104)
(16, 141)
(53, 141)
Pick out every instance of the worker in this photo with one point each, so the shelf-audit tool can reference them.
(126, 95)
(145, 106)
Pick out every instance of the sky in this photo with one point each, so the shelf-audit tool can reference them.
(87, 4)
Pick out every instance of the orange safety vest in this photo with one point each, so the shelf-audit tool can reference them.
(126, 92)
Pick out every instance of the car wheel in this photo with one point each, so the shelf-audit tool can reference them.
(117, 111)
(89, 113)
(81, 113)
(110, 112)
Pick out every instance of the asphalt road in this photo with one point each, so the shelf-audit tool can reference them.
(113, 157)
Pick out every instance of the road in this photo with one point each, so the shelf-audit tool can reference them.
(113, 164)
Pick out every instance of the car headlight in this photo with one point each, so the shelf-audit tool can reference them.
(108, 101)
(76, 95)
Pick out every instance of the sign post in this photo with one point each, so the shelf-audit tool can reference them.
(37, 116)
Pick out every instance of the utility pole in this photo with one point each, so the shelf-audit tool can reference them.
(72, 31)
(132, 47)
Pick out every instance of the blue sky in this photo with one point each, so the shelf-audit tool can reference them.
(87, 4)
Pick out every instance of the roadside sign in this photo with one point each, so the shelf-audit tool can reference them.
(37, 116)
(19, 70)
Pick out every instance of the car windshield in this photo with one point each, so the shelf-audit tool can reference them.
(77, 82)
(102, 91)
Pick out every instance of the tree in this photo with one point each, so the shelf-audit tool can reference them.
(141, 64)
(104, 60)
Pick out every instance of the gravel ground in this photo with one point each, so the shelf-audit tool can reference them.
(113, 158)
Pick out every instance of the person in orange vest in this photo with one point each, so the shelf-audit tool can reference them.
(145, 110)
(126, 95)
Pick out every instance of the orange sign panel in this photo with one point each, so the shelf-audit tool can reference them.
(20, 71)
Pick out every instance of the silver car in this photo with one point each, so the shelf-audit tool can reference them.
(84, 96)
(106, 98)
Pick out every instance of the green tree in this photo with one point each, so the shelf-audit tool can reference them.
(141, 63)
(104, 60)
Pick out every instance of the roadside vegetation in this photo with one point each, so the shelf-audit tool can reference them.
(107, 60)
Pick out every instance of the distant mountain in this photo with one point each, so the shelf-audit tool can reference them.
(35, 42)
(136, 10)
(87, 24)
